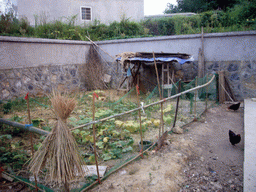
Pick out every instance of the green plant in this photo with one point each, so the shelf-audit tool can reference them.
(7, 107)
(10, 153)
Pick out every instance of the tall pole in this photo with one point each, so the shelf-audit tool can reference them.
(160, 93)
(177, 104)
(31, 136)
(94, 136)
(138, 101)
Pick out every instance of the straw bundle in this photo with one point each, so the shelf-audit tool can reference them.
(59, 151)
(125, 56)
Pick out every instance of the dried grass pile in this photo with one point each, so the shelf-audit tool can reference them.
(93, 71)
(125, 56)
(59, 151)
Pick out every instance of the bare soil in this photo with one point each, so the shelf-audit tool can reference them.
(201, 159)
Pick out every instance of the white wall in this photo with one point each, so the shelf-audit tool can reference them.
(105, 11)
(217, 46)
(30, 52)
(27, 52)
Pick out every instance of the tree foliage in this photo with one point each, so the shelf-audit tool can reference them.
(198, 6)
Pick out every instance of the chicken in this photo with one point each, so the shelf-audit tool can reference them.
(234, 106)
(233, 138)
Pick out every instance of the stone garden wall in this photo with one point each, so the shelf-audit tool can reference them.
(241, 75)
(39, 65)
(39, 80)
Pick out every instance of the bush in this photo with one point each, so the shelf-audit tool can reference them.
(161, 26)
(243, 12)
(9, 24)
(241, 17)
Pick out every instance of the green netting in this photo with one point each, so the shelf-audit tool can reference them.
(40, 186)
(209, 91)
(119, 100)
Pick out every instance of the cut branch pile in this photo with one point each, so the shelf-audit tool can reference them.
(59, 151)
(94, 70)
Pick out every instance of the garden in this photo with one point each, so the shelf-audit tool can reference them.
(118, 121)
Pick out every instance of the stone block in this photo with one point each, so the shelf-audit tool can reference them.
(54, 78)
(233, 67)
(234, 77)
(5, 93)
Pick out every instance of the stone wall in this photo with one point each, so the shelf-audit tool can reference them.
(38, 65)
(39, 80)
(241, 76)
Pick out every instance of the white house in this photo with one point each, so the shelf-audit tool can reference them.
(87, 11)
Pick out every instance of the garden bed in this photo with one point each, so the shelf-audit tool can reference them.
(117, 139)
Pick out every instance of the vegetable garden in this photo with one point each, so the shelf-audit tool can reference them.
(121, 122)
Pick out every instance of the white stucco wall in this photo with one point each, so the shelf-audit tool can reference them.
(228, 46)
(105, 11)
(28, 52)
(31, 52)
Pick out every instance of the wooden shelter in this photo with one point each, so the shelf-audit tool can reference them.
(140, 65)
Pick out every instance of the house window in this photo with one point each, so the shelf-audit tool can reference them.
(86, 13)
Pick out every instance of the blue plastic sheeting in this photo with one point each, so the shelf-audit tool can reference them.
(162, 59)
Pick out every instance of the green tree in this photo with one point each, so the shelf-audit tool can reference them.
(198, 6)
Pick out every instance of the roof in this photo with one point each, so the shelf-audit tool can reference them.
(147, 58)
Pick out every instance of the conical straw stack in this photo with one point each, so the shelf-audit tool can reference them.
(59, 151)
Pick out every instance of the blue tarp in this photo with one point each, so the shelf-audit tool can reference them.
(162, 59)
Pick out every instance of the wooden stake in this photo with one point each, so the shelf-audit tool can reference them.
(201, 67)
(138, 100)
(94, 136)
(177, 104)
(159, 89)
(195, 101)
(206, 94)
(31, 134)
(222, 95)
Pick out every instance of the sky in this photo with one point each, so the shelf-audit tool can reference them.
(156, 7)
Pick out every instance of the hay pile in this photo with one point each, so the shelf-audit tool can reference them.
(93, 70)
(59, 151)
(125, 56)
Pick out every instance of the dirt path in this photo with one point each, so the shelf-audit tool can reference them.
(201, 159)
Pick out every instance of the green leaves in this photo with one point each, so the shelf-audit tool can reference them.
(7, 136)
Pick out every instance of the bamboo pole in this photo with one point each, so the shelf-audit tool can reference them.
(138, 100)
(159, 89)
(206, 94)
(227, 93)
(31, 136)
(195, 99)
(99, 47)
(177, 105)
(146, 106)
(94, 136)
(201, 66)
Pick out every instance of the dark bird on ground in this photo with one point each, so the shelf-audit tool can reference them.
(233, 138)
(234, 106)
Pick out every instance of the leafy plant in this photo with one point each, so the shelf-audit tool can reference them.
(10, 153)
(7, 107)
